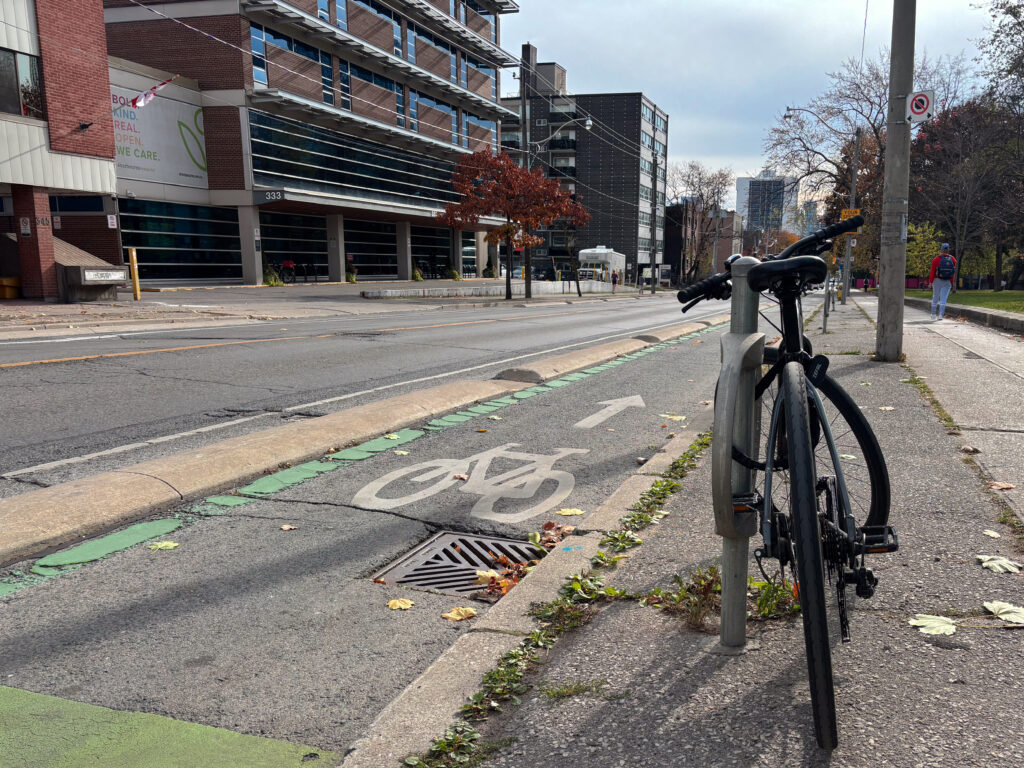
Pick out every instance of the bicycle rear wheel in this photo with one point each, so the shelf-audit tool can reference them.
(807, 536)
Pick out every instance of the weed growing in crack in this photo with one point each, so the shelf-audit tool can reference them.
(772, 599)
(558, 693)
(620, 541)
(681, 467)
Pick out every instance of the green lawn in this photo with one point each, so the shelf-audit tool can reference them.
(1008, 301)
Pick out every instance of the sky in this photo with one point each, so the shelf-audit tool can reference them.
(724, 70)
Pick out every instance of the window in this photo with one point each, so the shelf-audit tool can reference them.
(479, 66)
(661, 123)
(647, 113)
(416, 99)
(323, 9)
(259, 54)
(346, 84)
(645, 192)
(541, 122)
(646, 166)
(644, 244)
(260, 36)
(386, 13)
(341, 11)
(418, 33)
(659, 148)
(489, 125)
(646, 139)
(485, 13)
(645, 219)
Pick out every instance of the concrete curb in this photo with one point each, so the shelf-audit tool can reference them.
(50, 517)
(425, 708)
(664, 334)
(559, 365)
(994, 318)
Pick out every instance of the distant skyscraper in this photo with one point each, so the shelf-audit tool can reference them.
(767, 202)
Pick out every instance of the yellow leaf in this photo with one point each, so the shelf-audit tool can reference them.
(289, 527)
(886, 408)
(570, 512)
(163, 545)
(401, 453)
(459, 614)
(401, 604)
(484, 577)
(494, 418)
(481, 430)
(672, 417)
(391, 436)
(992, 534)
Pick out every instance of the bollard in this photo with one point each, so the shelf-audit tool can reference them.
(737, 422)
(133, 266)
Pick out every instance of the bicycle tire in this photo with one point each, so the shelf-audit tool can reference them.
(869, 490)
(806, 532)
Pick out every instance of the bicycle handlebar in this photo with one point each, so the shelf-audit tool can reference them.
(804, 246)
(715, 286)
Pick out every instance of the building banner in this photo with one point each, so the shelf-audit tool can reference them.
(161, 142)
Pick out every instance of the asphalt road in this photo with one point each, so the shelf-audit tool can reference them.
(130, 396)
(284, 633)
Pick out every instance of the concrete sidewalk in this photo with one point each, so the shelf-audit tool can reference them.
(649, 692)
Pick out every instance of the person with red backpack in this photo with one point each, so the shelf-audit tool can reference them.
(941, 278)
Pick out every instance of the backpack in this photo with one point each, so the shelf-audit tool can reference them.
(947, 267)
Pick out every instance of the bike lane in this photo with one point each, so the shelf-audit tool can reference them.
(265, 619)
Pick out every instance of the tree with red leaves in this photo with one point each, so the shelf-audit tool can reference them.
(493, 185)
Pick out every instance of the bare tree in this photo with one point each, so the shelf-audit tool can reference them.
(704, 190)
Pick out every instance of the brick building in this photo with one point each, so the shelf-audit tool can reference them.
(55, 131)
(610, 165)
(322, 132)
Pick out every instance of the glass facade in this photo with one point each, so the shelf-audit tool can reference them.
(467, 62)
(383, 82)
(416, 99)
(261, 37)
(373, 248)
(174, 241)
(287, 153)
(21, 85)
(389, 15)
(418, 33)
(302, 239)
(431, 247)
(489, 125)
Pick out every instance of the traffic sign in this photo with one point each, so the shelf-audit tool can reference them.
(849, 213)
(920, 106)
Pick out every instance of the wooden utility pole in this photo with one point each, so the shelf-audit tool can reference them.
(654, 219)
(893, 260)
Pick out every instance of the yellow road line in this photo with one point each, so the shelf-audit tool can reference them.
(282, 338)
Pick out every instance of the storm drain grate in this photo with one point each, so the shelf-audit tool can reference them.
(449, 561)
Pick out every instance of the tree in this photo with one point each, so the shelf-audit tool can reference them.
(923, 241)
(703, 190)
(573, 217)
(494, 185)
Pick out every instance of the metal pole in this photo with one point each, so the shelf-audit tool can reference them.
(654, 219)
(893, 259)
(745, 433)
(133, 266)
(848, 262)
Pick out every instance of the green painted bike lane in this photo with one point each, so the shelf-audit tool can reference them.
(78, 735)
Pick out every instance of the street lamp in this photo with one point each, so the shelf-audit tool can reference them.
(848, 260)
(588, 124)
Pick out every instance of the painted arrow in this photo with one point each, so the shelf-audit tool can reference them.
(614, 406)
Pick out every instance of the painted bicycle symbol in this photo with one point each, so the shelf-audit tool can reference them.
(522, 482)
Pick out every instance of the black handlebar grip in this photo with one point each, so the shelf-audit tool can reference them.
(847, 225)
(703, 288)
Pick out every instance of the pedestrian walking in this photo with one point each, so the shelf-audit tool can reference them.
(941, 278)
(615, 280)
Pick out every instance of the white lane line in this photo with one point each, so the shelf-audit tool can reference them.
(132, 446)
(223, 425)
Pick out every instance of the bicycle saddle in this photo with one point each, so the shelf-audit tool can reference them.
(810, 269)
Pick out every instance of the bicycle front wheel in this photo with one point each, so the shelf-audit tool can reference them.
(806, 533)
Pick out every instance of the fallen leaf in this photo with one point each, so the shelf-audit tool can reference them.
(671, 434)
(569, 512)
(933, 625)
(865, 383)
(610, 429)
(459, 614)
(481, 430)
(904, 381)
(999, 564)
(664, 426)
(847, 456)
(460, 477)
(705, 402)
(391, 436)
(401, 604)
(401, 453)
(886, 408)
(996, 485)
(691, 380)
(969, 449)
(289, 527)
(163, 545)
(698, 341)
(494, 418)
(640, 460)
(672, 417)
(1006, 611)
(993, 534)
(484, 577)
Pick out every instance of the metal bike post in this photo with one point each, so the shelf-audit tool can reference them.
(742, 354)
(828, 294)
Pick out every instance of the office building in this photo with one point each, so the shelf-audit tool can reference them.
(610, 166)
(768, 203)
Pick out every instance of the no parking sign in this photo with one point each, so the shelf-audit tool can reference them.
(920, 106)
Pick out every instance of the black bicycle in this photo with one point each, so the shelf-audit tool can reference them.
(823, 500)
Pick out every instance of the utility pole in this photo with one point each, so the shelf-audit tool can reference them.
(893, 260)
(654, 220)
(848, 262)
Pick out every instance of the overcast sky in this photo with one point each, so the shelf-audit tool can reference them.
(723, 69)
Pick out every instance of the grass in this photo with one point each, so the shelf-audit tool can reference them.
(927, 394)
(1007, 301)
(576, 688)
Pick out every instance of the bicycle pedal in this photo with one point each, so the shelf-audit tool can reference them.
(752, 502)
(879, 539)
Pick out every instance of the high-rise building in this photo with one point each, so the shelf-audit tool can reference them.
(609, 165)
(56, 134)
(768, 202)
(322, 132)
